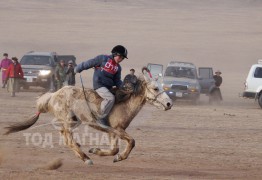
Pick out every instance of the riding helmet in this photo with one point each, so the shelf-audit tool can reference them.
(120, 50)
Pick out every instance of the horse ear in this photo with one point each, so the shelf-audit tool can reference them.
(146, 73)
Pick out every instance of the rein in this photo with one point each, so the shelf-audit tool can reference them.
(83, 87)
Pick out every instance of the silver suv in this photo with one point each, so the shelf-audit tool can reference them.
(181, 81)
(38, 68)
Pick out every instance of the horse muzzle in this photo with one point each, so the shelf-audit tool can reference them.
(167, 106)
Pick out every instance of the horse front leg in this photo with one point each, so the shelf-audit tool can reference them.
(121, 134)
(130, 145)
(114, 149)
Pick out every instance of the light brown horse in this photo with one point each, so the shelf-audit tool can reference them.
(70, 107)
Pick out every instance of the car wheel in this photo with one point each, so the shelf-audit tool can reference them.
(260, 100)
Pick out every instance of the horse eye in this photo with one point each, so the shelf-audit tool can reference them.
(156, 89)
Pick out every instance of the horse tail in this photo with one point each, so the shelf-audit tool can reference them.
(22, 125)
(42, 106)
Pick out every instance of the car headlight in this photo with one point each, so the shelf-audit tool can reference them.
(166, 87)
(193, 88)
(44, 72)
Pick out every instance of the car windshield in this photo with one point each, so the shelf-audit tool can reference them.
(36, 60)
(181, 72)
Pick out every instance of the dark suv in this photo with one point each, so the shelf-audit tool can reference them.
(38, 68)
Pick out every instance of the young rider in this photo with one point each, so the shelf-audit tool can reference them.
(107, 73)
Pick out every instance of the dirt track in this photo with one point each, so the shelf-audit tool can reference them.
(189, 142)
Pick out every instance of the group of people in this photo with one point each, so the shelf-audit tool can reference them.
(64, 75)
(12, 73)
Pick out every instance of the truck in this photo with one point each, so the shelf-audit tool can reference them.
(182, 80)
(253, 83)
(39, 69)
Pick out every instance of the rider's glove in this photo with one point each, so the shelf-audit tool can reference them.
(75, 70)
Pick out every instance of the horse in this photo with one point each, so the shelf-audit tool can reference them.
(72, 105)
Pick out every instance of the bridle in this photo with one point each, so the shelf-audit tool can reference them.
(149, 99)
(154, 99)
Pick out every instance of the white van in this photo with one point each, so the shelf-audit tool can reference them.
(253, 84)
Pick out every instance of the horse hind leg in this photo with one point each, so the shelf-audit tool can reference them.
(72, 144)
(114, 149)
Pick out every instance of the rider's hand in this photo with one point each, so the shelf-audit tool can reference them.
(75, 70)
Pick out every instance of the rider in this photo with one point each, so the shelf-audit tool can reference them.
(106, 75)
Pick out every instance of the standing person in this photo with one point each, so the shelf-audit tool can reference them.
(218, 79)
(128, 86)
(106, 75)
(3, 66)
(215, 92)
(132, 72)
(70, 74)
(60, 74)
(14, 75)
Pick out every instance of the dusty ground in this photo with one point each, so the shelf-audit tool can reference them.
(187, 142)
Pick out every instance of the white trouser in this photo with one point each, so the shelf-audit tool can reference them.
(107, 103)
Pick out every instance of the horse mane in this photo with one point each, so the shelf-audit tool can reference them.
(129, 89)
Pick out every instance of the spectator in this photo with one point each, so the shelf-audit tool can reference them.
(60, 74)
(14, 75)
(70, 74)
(218, 79)
(132, 71)
(3, 66)
(215, 92)
(131, 77)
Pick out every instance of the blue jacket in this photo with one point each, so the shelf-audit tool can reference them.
(107, 72)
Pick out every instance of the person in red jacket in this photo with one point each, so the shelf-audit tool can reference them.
(14, 75)
(3, 66)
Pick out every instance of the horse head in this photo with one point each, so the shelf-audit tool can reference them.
(154, 92)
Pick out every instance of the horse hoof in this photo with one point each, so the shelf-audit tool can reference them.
(94, 150)
(117, 158)
(89, 162)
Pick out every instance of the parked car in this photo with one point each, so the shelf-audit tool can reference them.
(39, 68)
(253, 84)
(181, 81)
